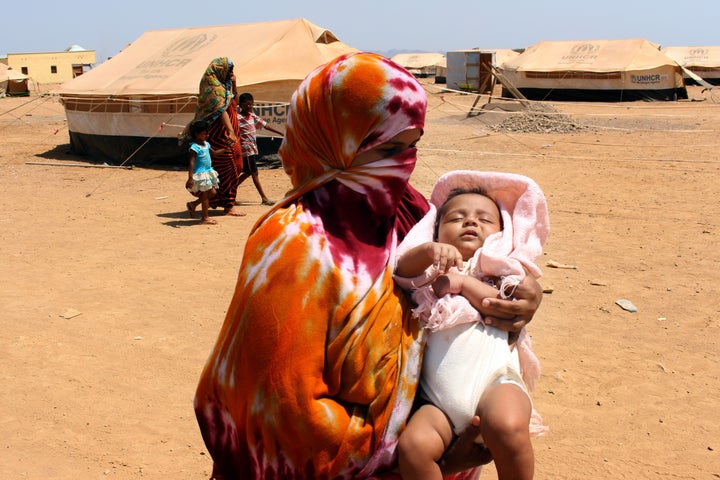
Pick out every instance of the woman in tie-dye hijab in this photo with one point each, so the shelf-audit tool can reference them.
(316, 366)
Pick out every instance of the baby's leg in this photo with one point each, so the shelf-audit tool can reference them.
(504, 411)
(423, 442)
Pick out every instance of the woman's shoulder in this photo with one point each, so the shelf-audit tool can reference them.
(290, 222)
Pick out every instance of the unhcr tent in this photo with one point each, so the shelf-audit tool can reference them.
(702, 61)
(13, 83)
(422, 64)
(502, 55)
(133, 106)
(596, 70)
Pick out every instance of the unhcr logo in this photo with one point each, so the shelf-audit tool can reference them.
(649, 79)
(186, 46)
(584, 48)
(697, 54)
(178, 54)
(581, 53)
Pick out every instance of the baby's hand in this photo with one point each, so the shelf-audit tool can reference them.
(444, 256)
(189, 183)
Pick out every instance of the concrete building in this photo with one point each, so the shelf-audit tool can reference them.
(52, 67)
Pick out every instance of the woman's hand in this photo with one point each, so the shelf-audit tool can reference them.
(464, 453)
(232, 137)
(511, 315)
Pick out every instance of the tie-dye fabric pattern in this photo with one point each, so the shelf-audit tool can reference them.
(316, 366)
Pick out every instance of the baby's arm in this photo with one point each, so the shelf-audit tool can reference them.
(219, 151)
(416, 260)
(473, 289)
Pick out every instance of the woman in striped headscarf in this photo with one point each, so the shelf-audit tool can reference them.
(217, 106)
(316, 366)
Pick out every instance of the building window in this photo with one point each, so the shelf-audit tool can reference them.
(24, 70)
(53, 69)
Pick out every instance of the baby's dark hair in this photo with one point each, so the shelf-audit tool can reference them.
(454, 193)
(198, 127)
(244, 97)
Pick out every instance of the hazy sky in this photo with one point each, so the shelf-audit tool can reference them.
(374, 25)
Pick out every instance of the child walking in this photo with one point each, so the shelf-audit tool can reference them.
(202, 178)
(480, 238)
(249, 123)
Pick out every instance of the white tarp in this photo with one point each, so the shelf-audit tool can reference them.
(422, 64)
(12, 82)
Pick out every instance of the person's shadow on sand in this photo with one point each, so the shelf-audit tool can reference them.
(183, 220)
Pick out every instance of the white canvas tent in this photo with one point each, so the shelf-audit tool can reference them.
(503, 55)
(136, 103)
(702, 61)
(595, 70)
(12, 83)
(422, 64)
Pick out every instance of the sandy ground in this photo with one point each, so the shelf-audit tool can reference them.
(112, 297)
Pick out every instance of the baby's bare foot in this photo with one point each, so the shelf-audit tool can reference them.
(445, 284)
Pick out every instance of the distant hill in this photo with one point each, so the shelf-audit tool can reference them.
(392, 53)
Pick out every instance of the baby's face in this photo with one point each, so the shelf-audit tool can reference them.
(468, 219)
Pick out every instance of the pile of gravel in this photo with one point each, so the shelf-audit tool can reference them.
(538, 118)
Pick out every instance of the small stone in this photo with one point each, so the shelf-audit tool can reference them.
(626, 305)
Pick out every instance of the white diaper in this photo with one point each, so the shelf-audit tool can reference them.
(460, 362)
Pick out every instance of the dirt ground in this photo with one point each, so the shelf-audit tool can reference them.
(112, 297)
